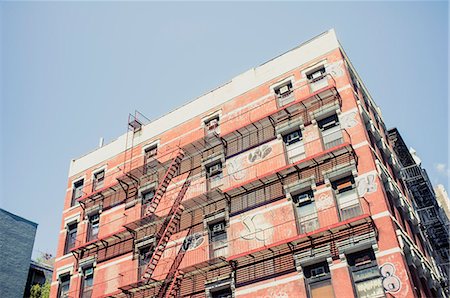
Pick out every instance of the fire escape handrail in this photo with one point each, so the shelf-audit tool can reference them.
(163, 233)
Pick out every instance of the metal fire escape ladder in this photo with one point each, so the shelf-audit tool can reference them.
(173, 167)
(173, 279)
(167, 229)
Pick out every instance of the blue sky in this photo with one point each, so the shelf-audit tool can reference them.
(71, 73)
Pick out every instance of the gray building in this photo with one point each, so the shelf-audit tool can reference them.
(16, 245)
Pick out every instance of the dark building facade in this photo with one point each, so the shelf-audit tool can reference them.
(16, 245)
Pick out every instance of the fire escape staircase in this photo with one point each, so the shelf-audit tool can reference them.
(173, 167)
(167, 229)
(173, 279)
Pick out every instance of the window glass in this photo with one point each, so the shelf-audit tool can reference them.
(99, 178)
(365, 274)
(64, 285)
(94, 225)
(328, 122)
(77, 191)
(292, 137)
(71, 237)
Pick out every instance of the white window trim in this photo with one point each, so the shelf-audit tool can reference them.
(206, 119)
(282, 82)
(323, 63)
(151, 144)
(63, 270)
(72, 219)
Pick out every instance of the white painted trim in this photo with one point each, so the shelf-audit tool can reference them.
(361, 144)
(64, 270)
(66, 256)
(314, 66)
(282, 82)
(149, 145)
(386, 252)
(267, 285)
(72, 219)
(338, 266)
(381, 214)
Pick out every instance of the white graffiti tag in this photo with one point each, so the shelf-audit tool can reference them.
(391, 283)
(256, 228)
(366, 185)
(259, 153)
(348, 120)
(236, 170)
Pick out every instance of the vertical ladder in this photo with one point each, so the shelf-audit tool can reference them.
(173, 167)
(166, 231)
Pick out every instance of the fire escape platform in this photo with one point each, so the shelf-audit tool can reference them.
(101, 242)
(328, 233)
(312, 160)
(100, 193)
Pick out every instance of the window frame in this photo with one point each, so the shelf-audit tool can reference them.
(96, 184)
(84, 287)
(61, 283)
(317, 279)
(74, 199)
(68, 247)
(93, 222)
(368, 264)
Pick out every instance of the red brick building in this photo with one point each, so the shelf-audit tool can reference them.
(281, 183)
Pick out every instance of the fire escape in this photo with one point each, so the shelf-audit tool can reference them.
(435, 225)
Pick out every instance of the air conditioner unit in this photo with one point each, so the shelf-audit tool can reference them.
(218, 228)
(215, 169)
(213, 124)
(283, 89)
(293, 137)
(303, 198)
(319, 271)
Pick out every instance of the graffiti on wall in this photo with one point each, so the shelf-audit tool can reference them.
(256, 227)
(235, 170)
(391, 283)
(366, 185)
(193, 241)
(348, 120)
(324, 201)
(259, 153)
(335, 69)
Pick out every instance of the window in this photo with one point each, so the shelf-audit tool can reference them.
(284, 89)
(218, 238)
(147, 198)
(98, 180)
(64, 286)
(212, 125)
(150, 153)
(316, 74)
(306, 211)
(318, 281)
(317, 78)
(292, 137)
(77, 191)
(365, 274)
(145, 254)
(94, 224)
(331, 131)
(71, 237)
(87, 283)
(347, 197)
(284, 93)
(222, 293)
(214, 169)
